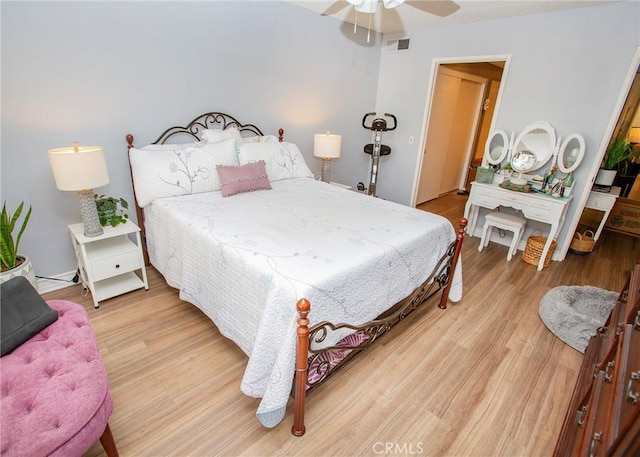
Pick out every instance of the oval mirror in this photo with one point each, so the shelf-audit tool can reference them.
(522, 162)
(571, 153)
(496, 147)
(538, 138)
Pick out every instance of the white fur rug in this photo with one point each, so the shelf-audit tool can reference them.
(574, 313)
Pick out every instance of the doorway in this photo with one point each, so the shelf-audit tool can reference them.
(460, 116)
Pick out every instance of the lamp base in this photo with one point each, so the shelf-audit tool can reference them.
(89, 213)
(326, 170)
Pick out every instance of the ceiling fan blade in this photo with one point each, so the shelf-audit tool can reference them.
(335, 7)
(441, 8)
(392, 3)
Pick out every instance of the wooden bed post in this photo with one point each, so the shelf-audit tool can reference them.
(280, 135)
(139, 213)
(302, 354)
(454, 262)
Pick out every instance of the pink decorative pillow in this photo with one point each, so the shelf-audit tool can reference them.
(245, 178)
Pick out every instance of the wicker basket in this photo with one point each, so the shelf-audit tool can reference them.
(582, 243)
(533, 250)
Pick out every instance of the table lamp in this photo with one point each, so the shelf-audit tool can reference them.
(327, 147)
(80, 169)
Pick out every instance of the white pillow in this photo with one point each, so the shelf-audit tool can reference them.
(217, 135)
(168, 173)
(260, 139)
(283, 160)
(172, 147)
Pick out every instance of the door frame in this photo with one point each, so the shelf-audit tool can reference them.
(427, 105)
(604, 143)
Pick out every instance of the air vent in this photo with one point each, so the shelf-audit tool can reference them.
(397, 44)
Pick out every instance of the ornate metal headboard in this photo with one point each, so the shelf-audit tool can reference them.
(193, 129)
(206, 121)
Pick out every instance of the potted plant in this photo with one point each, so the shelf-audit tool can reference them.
(111, 210)
(618, 152)
(13, 264)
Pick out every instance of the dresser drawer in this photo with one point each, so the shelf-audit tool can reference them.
(539, 214)
(514, 197)
(112, 266)
(600, 202)
(112, 257)
(488, 191)
(483, 196)
(540, 203)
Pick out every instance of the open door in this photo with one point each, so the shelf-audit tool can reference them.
(461, 110)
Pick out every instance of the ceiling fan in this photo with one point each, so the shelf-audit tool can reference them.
(370, 7)
(441, 8)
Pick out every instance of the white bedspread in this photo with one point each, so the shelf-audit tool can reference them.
(245, 260)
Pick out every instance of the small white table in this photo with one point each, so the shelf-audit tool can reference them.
(602, 201)
(108, 262)
(535, 206)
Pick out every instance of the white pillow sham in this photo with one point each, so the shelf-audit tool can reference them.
(169, 173)
(218, 135)
(260, 139)
(172, 147)
(283, 160)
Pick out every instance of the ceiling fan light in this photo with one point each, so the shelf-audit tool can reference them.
(392, 3)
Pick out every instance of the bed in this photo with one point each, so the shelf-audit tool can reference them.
(300, 274)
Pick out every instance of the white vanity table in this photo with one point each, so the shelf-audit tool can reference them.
(535, 206)
(535, 147)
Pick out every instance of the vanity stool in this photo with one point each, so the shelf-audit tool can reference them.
(503, 221)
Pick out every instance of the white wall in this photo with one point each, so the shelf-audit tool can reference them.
(566, 67)
(95, 71)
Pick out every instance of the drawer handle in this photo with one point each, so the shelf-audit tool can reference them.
(633, 397)
(607, 375)
(117, 265)
(580, 415)
(596, 437)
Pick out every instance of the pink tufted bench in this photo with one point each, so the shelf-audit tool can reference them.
(54, 392)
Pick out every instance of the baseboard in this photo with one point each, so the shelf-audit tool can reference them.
(56, 282)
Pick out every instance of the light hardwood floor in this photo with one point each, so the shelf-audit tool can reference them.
(482, 378)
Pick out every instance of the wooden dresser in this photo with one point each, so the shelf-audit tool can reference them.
(603, 418)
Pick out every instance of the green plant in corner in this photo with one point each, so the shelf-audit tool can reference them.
(618, 152)
(111, 210)
(9, 245)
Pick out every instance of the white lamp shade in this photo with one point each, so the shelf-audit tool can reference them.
(79, 168)
(634, 135)
(326, 145)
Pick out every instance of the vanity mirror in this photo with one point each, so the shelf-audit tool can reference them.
(496, 147)
(571, 153)
(539, 139)
(522, 162)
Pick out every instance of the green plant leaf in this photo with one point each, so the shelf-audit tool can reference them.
(9, 246)
(618, 152)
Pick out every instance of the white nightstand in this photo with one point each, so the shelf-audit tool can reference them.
(602, 201)
(108, 262)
